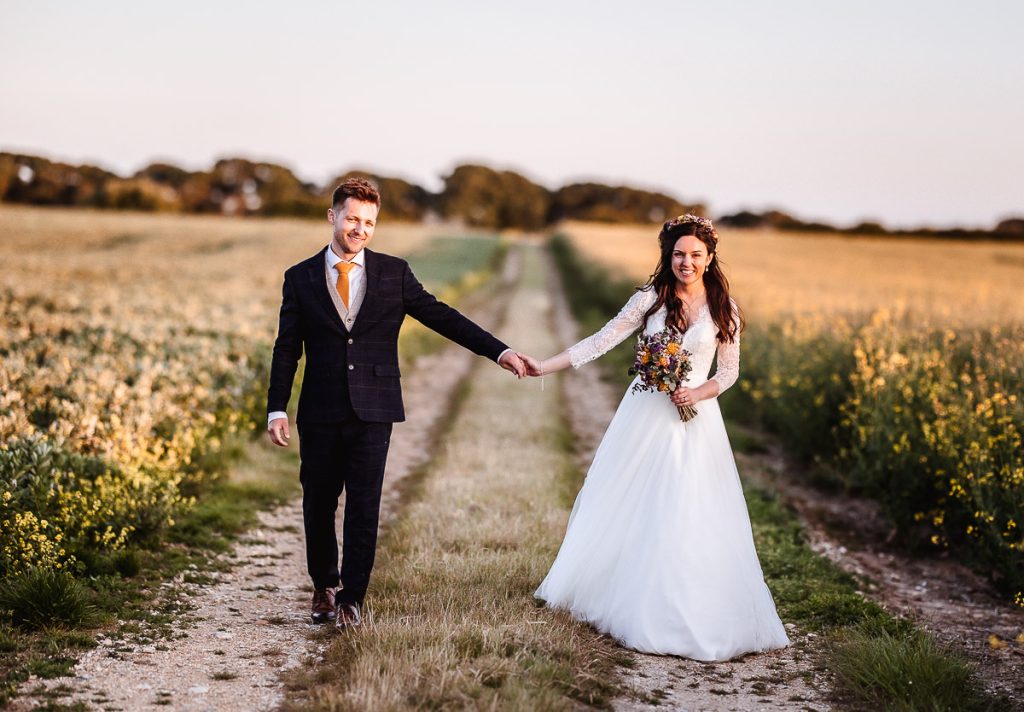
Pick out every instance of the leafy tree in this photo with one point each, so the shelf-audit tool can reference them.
(165, 174)
(484, 197)
(606, 203)
(1011, 227)
(43, 182)
(400, 199)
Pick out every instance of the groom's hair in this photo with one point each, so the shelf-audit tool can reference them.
(358, 189)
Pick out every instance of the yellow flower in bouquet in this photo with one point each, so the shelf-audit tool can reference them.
(662, 364)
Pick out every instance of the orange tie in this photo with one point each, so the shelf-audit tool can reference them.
(343, 269)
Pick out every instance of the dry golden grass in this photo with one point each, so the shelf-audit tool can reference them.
(124, 317)
(140, 340)
(777, 273)
(208, 272)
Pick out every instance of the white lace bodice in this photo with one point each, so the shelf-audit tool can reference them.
(700, 340)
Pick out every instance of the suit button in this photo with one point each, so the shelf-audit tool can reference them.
(351, 367)
(350, 341)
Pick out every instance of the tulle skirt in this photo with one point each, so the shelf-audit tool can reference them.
(659, 552)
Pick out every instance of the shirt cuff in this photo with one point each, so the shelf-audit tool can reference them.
(498, 360)
(271, 417)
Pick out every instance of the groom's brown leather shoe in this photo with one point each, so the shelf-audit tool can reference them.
(348, 616)
(322, 608)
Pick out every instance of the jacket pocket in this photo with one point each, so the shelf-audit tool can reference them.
(387, 370)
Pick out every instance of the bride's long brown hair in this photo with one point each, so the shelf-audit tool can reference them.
(728, 320)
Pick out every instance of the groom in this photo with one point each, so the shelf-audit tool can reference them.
(344, 307)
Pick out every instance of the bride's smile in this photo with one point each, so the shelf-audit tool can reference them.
(689, 261)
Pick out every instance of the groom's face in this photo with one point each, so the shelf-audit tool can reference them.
(354, 222)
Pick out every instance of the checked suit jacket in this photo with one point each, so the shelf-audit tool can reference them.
(356, 372)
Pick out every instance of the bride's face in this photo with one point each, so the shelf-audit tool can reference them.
(689, 260)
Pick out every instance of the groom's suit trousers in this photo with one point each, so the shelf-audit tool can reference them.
(341, 457)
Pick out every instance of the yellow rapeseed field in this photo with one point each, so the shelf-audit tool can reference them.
(131, 345)
(776, 273)
(898, 362)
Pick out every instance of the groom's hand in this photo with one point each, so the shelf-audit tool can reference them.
(510, 361)
(278, 431)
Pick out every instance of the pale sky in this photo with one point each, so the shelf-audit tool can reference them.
(905, 111)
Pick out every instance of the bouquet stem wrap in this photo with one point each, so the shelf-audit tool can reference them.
(686, 412)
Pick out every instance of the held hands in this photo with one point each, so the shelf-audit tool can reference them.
(520, 364)
(533, 366)
(511, 361)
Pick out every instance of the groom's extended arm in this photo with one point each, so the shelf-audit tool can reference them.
(287, 351)
(448, 322)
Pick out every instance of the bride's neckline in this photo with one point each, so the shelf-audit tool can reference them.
(700, 315)
(687, 304)
(701, 311)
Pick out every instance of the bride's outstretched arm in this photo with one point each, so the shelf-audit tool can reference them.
(628, 320)
(535, 367)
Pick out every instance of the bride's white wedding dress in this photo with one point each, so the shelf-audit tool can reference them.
(658, 552)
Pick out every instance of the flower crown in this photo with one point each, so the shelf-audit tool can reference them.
(704, 224)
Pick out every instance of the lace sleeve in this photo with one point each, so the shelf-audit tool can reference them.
(728, 368)
(628, 320)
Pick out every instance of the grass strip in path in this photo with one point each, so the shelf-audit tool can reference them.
(450, 620)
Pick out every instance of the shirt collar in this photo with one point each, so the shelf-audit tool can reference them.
(333, 259)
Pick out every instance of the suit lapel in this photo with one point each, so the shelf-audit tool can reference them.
(372, 265)
(372, 273)
(316, 272)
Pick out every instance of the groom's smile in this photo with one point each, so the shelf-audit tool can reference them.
(354, 222)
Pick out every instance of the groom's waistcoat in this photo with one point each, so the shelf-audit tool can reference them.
(354, 371)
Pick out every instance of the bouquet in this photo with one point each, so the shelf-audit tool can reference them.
(662, 364)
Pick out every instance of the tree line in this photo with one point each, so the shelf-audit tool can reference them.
(476, 195)
(1007, 229)
(479, 196)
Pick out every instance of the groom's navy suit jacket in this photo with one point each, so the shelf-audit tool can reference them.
(356, 373)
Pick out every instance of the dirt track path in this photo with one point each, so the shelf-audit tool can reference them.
(248, 626)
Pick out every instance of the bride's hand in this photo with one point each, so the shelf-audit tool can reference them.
(684, 395)
(532, 365)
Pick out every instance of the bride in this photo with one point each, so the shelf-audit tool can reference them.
(658, 552)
